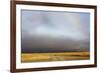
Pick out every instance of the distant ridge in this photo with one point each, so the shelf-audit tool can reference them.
(49, 50)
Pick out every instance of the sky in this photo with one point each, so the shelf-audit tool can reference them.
(54, 31)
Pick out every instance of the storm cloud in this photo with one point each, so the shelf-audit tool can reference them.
(54, 31)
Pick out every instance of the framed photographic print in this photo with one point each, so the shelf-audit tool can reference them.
(52, 36)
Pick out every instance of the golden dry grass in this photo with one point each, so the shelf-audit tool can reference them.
(63, 56)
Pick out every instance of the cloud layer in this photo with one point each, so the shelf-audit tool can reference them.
(49, 31)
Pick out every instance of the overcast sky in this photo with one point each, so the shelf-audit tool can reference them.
(54, 31)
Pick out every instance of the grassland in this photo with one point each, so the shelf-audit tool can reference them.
(63, 56)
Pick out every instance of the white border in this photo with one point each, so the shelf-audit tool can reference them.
(51, 64)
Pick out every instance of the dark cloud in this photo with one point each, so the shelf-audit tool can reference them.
(49, 44)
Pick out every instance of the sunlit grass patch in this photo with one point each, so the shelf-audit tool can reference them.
(63, 56)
